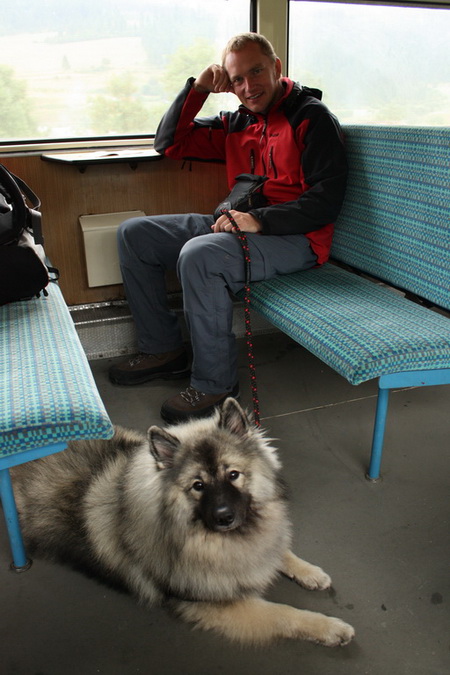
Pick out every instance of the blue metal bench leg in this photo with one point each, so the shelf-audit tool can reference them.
(378, 434)
(20, 562)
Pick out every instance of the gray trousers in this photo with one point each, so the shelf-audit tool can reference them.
(209, 265)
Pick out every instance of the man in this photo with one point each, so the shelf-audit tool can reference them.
(281, 131)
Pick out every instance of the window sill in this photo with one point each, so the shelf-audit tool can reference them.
(87, 144)
(84, 159)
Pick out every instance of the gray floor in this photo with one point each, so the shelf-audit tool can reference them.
(386, 545)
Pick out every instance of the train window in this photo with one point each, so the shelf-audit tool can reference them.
(82, 69)
(376, 64)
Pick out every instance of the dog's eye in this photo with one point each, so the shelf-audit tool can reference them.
(198, 486)
(233, 475)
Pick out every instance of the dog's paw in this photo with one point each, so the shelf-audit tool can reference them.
(309, 576)
(314, 579)
(336, 633)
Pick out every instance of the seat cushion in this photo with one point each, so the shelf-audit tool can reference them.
(48, 393)
(359, 328)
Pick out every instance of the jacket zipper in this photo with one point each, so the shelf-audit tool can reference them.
(263, 132)
(272, 163)
(272, 166)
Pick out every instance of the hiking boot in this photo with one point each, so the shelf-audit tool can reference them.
(145, 367)
(193, 403)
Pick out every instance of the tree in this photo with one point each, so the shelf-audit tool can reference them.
(119, 110)
(185, 62)
(16, 119)
(189, 62)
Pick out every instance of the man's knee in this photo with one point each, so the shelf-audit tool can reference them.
(199, 255)
(142, 236)
(126, 232)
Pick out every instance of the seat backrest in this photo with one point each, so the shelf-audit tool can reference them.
(395, 220)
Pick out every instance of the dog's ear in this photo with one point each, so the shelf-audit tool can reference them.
(233, 418)
(162, 446)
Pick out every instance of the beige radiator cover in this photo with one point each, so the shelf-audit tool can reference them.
(100, 247)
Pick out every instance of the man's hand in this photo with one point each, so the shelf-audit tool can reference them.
(245, 221)
(213, 79)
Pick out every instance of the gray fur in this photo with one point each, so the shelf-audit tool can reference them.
(194, 512)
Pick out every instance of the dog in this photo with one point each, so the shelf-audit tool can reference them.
(193, 516)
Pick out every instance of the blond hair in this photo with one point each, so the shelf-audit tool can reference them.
(238, 42)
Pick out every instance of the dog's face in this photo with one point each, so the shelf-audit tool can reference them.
(219, 465)
(222, 503)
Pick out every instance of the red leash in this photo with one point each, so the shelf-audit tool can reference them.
(248, 328)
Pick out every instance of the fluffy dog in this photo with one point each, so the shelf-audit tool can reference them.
(194, 515)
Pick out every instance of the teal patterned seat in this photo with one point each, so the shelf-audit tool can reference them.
(394, 227)
(395, 221)
(360, 329)
(48, 393)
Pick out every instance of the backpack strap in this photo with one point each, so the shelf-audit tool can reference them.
(27, 191)
(17, 188)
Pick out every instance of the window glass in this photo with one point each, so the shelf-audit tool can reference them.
(83, 68)
(375, 64)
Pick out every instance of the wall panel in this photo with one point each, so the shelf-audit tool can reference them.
(164, 186)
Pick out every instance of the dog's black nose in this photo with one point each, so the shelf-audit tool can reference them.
(223, 516)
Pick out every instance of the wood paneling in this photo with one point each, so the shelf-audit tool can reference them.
(157, 187)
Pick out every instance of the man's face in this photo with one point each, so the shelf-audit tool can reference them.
(254, 77)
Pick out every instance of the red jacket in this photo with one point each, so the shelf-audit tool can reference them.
(298, 144)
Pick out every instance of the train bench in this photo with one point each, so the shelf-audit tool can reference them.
(394, 228)
(47, 392)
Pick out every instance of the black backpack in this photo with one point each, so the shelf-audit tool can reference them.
(24, 273)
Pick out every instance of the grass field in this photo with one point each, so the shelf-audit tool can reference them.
(61, 77)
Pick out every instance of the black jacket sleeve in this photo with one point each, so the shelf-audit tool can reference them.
(181, 135)
(324, 167)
